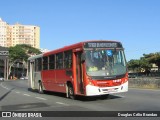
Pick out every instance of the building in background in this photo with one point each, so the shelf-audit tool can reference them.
(11, 35)
(3, 33)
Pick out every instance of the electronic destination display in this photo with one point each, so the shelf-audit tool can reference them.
(103, 45)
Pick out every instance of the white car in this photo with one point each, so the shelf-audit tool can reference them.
(21, 78)
(1, 79)
(24, 78)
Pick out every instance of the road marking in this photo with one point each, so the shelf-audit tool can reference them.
(26, 95)
(41, 98)
(17, 92)
(4, 86)
(61, 103)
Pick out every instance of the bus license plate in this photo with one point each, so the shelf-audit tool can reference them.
(112, 90)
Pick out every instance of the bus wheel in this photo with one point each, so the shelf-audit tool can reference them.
(71, 92)
(40, 88)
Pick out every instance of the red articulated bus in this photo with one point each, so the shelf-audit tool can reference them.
(89, 68)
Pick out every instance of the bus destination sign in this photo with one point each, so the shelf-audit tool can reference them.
(102, 45)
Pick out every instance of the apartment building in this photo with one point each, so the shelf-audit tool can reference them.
(11, 35)
(3, 33)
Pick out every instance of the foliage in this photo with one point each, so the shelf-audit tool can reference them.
(145, 62)
(153, 58)
(22, 52)
(133, 64)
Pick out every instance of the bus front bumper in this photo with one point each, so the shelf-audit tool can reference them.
(94, 90)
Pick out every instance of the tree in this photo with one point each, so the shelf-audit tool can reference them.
(139, 65)
(133, 65)
(17, 53)
(20, 54)
(153, 58)
(144, 64)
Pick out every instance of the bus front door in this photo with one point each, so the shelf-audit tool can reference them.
(79, 73)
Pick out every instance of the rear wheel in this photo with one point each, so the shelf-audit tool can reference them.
(40, 88)
(71, 92)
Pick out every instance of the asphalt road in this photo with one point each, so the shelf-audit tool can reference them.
(15, 96)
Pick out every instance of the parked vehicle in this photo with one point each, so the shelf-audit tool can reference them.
(1, 78)
(24, 78)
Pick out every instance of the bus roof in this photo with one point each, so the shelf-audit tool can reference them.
(73, 46)
(35, 56)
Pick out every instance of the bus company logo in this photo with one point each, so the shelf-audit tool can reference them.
(6, 114)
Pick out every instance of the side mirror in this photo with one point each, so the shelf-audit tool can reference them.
(83, 58)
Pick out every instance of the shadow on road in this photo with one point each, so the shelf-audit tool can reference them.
(24, 106)
(3, 96)
(96, 98)
(80, 98)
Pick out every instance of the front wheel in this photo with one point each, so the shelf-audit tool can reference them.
(71, 92)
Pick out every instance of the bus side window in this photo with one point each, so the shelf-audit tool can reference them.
(59, 61)
(36, 65)
(68, 59)
(45, 63)
(52, 62)
(39, 64)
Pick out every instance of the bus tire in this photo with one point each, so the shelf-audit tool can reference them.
(71, 92)
(40, 88)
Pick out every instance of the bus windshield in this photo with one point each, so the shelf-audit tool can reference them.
(106, 62)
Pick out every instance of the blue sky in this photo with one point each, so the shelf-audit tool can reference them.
(136, 23)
